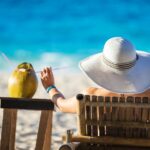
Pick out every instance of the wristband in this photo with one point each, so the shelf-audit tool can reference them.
(56, 96)
(49, 88)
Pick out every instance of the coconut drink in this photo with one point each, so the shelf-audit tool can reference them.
(23, 81)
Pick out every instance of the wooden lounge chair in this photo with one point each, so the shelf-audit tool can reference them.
(10, 106)
(111, 123)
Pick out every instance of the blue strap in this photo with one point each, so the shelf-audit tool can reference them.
(49, 88)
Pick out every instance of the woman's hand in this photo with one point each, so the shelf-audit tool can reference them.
(47, 77)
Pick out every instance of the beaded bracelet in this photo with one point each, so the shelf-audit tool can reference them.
(49, 88)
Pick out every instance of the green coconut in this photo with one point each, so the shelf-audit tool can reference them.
(23, 81)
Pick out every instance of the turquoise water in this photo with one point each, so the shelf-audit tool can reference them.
(61, 32)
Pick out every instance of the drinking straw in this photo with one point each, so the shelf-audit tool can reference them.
(7, 59)
(10, 63)
(57, 68)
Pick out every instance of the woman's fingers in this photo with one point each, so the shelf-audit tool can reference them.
(41, 74)
(47, 77)
(48, 71)
(51, 73)
(44, 70)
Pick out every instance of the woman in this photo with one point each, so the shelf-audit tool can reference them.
(119, 69)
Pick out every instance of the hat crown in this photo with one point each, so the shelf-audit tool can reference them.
(119, 50)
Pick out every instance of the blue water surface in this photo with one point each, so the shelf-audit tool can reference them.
(75, 28)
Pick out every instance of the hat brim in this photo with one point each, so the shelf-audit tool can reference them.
(133, 80)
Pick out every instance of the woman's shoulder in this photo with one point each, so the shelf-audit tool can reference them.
(104, 92)
(94, 91)
(145, 93)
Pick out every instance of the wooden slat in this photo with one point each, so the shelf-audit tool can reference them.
(94, 117)
(115, 116)
(88, 115)
(101, 116)
(138, 117)
(24, 103)
(113, 140)
(129, 116)
(108, 108)
(145, 112)
(123, 124)
(45, 131)
(124, 105)
(8, 129)
(108, 114)
(121, 116)
(138, 113)
(81, 116)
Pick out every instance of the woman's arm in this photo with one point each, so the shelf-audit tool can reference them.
(64, 105)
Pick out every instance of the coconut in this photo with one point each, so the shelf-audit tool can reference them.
(23, 81)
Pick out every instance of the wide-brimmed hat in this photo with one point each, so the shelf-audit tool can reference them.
(119, 68)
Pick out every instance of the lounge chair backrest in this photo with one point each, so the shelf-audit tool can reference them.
(123, 117)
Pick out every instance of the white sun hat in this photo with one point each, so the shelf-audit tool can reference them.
(120, 68)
